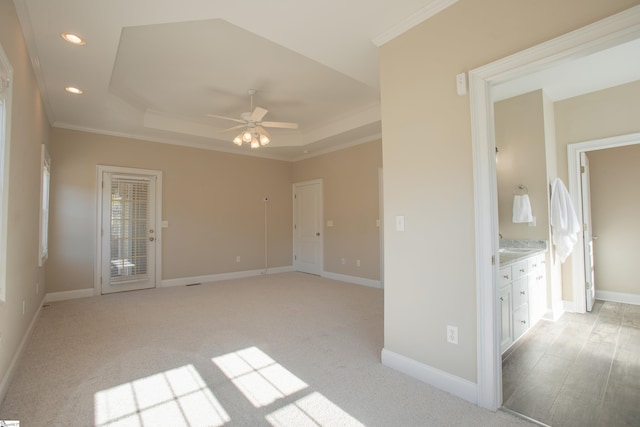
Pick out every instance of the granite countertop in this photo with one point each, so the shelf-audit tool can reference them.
(511, 251)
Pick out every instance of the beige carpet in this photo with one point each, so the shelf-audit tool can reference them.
(284, 350)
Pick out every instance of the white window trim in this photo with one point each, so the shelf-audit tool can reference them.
(43, 240)
(6, 76)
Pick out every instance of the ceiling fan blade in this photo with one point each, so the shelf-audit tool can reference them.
(281, 125)
(232, 128)
(258, 114)
(225, 118)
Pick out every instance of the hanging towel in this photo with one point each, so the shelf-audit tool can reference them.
(564, 222)
(522, 209)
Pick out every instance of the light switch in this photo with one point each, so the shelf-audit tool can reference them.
(165, 224)
(329, 223)
(400, 223)
(377, 223)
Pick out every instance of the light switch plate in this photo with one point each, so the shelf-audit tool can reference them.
(400, 223)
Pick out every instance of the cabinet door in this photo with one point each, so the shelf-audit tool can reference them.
(537, 281)
(504, 305)
(520, 292)
(520, 321)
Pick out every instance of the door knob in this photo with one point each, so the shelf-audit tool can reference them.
(151, 239)
(317, 234)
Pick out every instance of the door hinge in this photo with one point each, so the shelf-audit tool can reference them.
(581, 169)
(493, 260)
(584, 227)
(295, 257)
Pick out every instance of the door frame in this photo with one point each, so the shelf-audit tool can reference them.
(577, 259)
(603, 34)
(97, 270)
(295, 215)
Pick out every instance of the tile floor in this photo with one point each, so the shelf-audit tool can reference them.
(582, 370)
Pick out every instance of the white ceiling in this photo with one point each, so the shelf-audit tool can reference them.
(567, 79)
(155, 69)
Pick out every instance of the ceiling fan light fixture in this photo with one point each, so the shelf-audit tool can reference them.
(246, 136)
(255, 143)
(238, 140)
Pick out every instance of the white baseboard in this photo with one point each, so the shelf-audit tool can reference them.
(222, 276)
(452, 384)
(618, 297)
(569, 306)
(352, 279)
(65, 295)
(8, 376)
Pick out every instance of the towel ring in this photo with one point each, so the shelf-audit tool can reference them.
(521, 189)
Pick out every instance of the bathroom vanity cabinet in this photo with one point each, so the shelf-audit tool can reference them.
(522, 295)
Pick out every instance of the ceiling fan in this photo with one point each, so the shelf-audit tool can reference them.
(254, 133)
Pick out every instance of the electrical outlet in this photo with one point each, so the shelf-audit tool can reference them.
(357, 263)
(343, 261)
(238, 258)
(452, 334)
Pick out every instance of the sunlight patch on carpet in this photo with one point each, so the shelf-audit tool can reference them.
(177, 397)
(264, 382)
(313, 410)
(258, 377)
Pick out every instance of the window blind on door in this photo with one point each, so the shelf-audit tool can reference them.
(129, 228)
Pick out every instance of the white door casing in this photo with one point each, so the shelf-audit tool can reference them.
(574, 153)
(307, 227)
(587, 233)
(608, 32)
(128, 245)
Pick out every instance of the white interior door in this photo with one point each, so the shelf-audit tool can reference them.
(308, 227)
(589, 274)
(128, 234)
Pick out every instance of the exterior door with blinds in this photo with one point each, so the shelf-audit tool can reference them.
(129, 236)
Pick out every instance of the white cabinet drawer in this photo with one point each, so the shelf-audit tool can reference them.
(504, 277)
(519, 269)
(520, 292)
(534, 263)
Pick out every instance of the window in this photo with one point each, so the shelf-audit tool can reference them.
(6, 73)
(45, 168)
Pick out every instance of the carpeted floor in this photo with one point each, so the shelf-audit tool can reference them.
(284, 350)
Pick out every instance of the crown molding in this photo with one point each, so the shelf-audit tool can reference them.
(432, 9)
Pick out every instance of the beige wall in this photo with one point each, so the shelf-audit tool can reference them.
(29, 130)
(520, 137)
(601, 114)
(212, 200)
(430, 267)
(615, 203)
(350, 184)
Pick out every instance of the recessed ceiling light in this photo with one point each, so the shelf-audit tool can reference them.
(73, 90)
(73, 38)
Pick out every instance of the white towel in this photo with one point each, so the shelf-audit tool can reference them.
(522, 209)
(564, 222)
